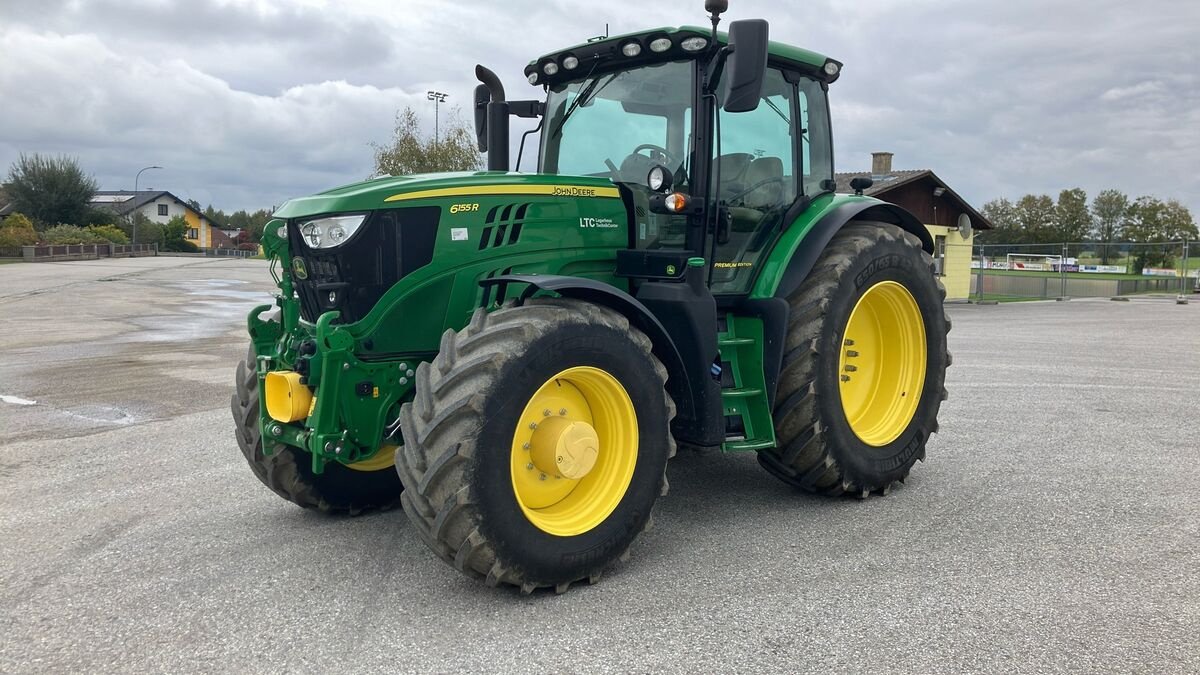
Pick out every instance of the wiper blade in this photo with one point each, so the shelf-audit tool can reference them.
(587, 94)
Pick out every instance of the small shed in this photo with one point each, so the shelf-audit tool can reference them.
(950, 219)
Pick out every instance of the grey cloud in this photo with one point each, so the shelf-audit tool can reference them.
(253, 102)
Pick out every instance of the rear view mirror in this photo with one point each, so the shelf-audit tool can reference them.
(747, 65)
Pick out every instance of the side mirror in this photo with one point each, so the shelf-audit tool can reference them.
(747, 65)
(482, 97)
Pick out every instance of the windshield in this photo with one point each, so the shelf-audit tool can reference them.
(618, 125)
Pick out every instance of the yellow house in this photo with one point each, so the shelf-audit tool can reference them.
(160, 206)
(951, 221)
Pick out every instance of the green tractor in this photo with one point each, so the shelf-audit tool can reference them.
(514, 357)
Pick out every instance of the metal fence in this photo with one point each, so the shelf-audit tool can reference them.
(1008, 272)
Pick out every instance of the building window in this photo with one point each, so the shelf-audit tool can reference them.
(939, 255)
(162, 209)
(193, 233)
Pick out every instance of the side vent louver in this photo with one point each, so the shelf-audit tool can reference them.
(503, 226)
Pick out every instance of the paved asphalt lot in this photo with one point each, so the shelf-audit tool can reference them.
(1055, 527)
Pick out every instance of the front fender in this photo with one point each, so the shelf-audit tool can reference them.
(679, 385)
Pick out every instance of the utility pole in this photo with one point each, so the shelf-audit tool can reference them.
(438, 98)
(133, 215)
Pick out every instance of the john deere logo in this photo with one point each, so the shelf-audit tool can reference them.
(299, 269)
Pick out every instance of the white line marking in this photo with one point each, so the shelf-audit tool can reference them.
(16, 401)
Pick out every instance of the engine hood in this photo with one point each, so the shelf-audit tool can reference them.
(391, 191)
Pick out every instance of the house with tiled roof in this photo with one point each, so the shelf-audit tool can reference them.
(160, 206)
(950, 219)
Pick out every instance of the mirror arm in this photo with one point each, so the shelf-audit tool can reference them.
(717, 67)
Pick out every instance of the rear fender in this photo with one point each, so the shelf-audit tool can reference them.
(810, 247)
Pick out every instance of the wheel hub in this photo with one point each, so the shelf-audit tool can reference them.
(564, 447)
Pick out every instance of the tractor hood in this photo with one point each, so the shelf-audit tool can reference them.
(405, 190)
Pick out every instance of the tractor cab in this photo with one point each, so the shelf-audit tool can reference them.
(713, 138)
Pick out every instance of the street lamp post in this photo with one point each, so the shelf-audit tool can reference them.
(437, 97)
(133, 215)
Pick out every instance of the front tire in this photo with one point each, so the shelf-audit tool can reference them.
(536, 444)
(288, 471)
(865, 364)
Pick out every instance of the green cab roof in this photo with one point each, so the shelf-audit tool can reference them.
(803, 58)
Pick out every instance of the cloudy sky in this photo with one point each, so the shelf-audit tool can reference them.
(249, 102)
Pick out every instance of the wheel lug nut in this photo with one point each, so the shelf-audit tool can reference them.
(851, 369)
(529, 466)
(851, 354)
(546, 412)
(533, 425)
(849, 343)
(542, 477)
(845, 378)
(525, 447)
(562, 411)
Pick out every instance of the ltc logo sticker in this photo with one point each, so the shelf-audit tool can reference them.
(601, 223)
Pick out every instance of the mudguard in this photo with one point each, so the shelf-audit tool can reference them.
(679, 385)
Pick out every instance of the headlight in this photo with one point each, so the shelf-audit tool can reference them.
(331, 231)
(694, 44)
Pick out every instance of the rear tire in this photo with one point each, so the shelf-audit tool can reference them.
(288, 471)
(818, 449)
(463, 464)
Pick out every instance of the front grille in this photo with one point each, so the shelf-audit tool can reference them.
(351, 278)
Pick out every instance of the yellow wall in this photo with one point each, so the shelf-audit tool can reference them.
(956, 270)
(193, 221)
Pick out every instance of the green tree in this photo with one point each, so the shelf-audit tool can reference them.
(1002, 215)
(1110, 215)
(17, 230)
(1035, 219)
(174, 238)
(411, 151)
(1072, 220)
(1176, 222)
(1148, 226)
(148, 231)
(50, 189)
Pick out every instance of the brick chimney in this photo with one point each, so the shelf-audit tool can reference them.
(881, 164)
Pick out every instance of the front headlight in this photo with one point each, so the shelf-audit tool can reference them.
(331, 231)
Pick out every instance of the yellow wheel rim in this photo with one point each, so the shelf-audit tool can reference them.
(574, 451)
(882, 364)
(384, 459)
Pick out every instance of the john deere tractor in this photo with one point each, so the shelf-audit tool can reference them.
(514, 357)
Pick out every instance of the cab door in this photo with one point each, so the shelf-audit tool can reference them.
(756, 173)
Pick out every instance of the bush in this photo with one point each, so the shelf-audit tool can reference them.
(180, 246)
(110, 233)
(69, 234)
(17, 230)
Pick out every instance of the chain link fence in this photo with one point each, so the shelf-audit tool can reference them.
(1014, 272)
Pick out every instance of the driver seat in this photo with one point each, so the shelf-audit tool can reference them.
(754, 204)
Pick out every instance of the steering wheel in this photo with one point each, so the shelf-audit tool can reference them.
(670, 159)
(635, 166)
